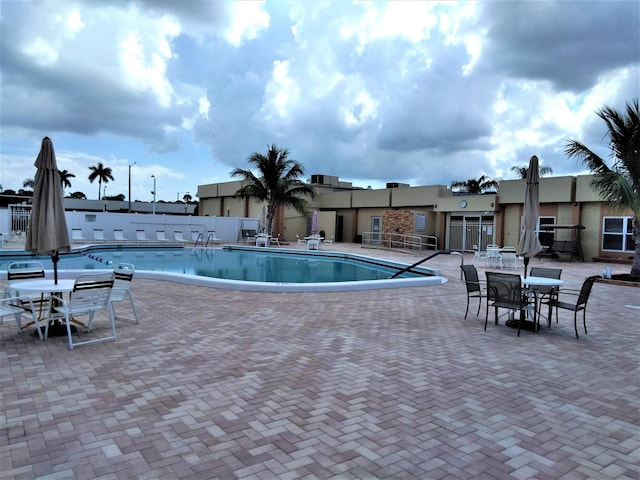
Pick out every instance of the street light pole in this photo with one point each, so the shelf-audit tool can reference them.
(131, 165)
(154, 193)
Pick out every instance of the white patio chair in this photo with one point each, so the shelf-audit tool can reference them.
(301, 241)
(118, 235)
(17, 307)
(76, 235)
(161, 237)
(275, 240)
(91, 293)
(328, 242)
(141, 236)
(98, 235)
(123, 274)
(27, 270)
(313, 244)
(178, 236)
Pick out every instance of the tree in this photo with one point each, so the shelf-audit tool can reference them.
(477, 186)
(102, 173)
(618, 180)
(65, 175)
(79, 195)
(275, 182)
(187, 198)
(29, 183)
(523, 170)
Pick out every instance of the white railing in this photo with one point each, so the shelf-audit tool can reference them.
(400, 240)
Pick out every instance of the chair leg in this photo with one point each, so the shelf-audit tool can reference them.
(584, 319)
(467, 310)
(575, 322)
(479, 305)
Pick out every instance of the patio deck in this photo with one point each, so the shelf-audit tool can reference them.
(367, 384)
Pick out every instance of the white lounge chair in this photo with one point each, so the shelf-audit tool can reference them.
(161, 237)
(123, 275)
(195, 234)
(275, 240)
(141, 236)
(328, 242)
(300, 240)
(98, 235)
(118, 235)
(178, 237)
(76, 235)
(313, 244)
(212, 238)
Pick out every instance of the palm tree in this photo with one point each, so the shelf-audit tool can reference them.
(477, 186)
(523, 170)
(187, 198)
(29, 183)
(65, 175)
(617, 181)
(102, 173)
(275, 182)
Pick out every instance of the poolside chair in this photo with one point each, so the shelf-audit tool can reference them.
(76, 235)
(98, 235)
(161, 237)
(141, 236)
(118, 235)
(212, 238)
(504, 290)
(545, 293)
(582, 297)
(508, 260)
(275, 240)
(478, 255)
(249, 236)
(27, 270)
(16, 307)
(328, 242)
(473, 285)
(91, 294)
(178, 236)
(301, 241)
(123, 275)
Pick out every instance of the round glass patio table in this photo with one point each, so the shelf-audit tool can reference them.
(539, 282)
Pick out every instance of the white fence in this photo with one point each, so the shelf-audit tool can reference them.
(226, 228)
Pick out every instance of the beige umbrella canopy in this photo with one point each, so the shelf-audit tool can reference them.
(47, 233)
(529, 244)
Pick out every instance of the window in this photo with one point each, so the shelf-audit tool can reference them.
(421, 222)
(617, 234)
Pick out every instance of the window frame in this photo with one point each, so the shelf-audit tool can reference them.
(625, 233)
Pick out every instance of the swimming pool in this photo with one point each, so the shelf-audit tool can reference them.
(241, 267)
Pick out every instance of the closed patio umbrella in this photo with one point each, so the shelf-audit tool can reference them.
(47, 233)
(529, 244)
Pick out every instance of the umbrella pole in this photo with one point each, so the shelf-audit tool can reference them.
(526, 264)
(54, 259)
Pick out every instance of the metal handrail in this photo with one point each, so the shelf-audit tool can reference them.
(440, 252)
(401, 240)
(200, 236)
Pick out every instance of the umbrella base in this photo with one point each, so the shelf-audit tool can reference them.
(57, 329)
(526, 325)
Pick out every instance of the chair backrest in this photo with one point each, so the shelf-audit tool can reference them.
(118, 234)
(76, 234)
(585, 291)
(141, 235)
(471, 279)
(504, 287)
(194, 235)
(92, 291)
(123, 274)
(160, 235)
(98, 234)
(177, 235)
(508, 259)
(25, 270)
(546, 273)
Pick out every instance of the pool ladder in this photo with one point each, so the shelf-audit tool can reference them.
(200, 237)
(440, 252)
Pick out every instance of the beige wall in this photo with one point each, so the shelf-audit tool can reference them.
(475, 203)
(591, 214)
(584, 191)
(418, 196)
(552, 190)
(335, 200)
(371, 198)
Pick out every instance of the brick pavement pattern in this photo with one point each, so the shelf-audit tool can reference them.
(351, 385)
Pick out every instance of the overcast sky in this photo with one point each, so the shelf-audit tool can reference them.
(416, 92)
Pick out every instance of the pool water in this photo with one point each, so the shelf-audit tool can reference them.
(244, 264)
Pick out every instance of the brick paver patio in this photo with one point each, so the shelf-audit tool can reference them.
(354, 385)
